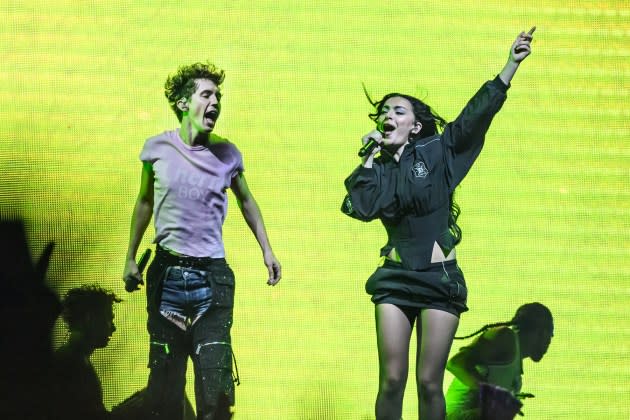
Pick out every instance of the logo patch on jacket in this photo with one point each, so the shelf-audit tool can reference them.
(419, 169)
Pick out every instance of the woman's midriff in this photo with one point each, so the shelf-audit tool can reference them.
(436, 256)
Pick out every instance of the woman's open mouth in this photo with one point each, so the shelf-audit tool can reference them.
(388, 129)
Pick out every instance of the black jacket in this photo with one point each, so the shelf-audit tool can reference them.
(411, 197)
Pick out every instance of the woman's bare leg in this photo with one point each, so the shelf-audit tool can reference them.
(435, 335)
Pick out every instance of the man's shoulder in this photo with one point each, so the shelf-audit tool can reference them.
(157, 141)
(216, 139)
(167, 135)
(224, 149)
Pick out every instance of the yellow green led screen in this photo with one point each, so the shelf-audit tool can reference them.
(545, 210)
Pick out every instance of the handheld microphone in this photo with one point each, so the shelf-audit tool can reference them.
(131, 283)
(368, 147)
(371, 143)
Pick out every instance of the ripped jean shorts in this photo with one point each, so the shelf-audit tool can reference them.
(186, 295)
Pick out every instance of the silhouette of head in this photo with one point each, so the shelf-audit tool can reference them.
(535, 322)
(88, 312)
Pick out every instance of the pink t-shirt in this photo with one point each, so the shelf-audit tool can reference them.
(190, 192)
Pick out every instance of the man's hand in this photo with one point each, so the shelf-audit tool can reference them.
(132, 276)
(275, 270)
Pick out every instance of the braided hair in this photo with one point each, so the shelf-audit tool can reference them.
(528, 317)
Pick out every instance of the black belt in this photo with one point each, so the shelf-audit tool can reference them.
(170, 259)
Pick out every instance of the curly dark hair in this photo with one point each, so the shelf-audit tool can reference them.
(182, 84)
(85, 299)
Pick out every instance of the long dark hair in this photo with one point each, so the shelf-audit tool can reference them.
(432, 123)
(528, 317)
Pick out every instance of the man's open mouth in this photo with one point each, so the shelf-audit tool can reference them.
(212, 115)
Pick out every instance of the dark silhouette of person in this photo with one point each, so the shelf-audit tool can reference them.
(27, 312)
(35, 382)
(88, 313)
(138, 406)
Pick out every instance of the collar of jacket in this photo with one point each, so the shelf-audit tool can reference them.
(414, 146)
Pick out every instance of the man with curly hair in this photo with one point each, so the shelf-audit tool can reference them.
(190, 287)
(88, 313)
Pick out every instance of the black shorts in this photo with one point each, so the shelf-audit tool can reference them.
(439, 286)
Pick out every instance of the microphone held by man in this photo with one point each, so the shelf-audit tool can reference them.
(131, 283)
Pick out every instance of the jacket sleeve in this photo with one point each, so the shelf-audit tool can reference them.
(464, 137)
(369, 196)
